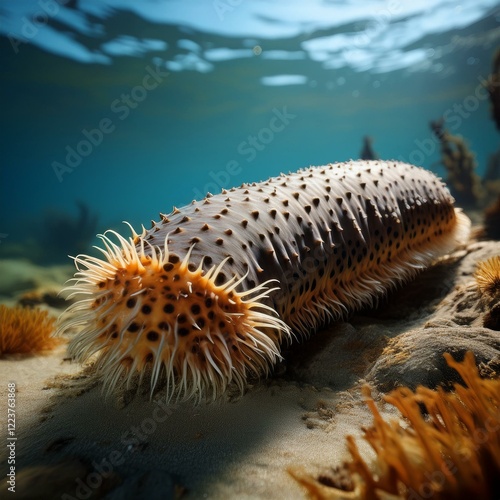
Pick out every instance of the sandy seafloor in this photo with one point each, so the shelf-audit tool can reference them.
(238, 448)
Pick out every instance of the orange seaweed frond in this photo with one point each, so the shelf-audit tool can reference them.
(446, 446)
(24, 331)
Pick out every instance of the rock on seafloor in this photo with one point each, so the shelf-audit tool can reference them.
(416, 357)
(454, 324)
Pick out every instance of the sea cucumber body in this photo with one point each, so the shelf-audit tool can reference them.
(333, 238)
(325, 233)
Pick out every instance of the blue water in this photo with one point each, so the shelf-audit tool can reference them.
(133, 108)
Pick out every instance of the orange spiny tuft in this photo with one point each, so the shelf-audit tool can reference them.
(488, 276)
(24, 331)
(157, 315)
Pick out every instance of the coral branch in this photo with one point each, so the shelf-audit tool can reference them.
(25, 331)
(460, 165)
(450, 451)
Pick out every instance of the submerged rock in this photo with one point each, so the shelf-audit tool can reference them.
(416, 357)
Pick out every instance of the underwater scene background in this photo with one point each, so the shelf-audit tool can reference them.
(120, 110)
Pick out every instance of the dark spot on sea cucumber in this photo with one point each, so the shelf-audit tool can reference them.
(131, 303)
(221, 278)
(169, 308)
(152, 336)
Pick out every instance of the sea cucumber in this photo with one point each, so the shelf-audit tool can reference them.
(205, 297)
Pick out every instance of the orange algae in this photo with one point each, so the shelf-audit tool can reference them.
(448, 445)
(24, 331)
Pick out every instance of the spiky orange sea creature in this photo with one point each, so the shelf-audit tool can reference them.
(488, 277)
(451, 453)
(204, 300)
(24, 331)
